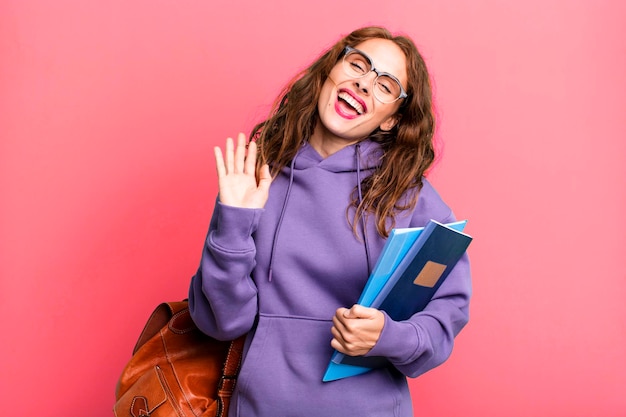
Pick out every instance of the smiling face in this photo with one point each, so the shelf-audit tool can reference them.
(348, 109)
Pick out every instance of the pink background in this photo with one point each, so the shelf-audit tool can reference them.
(108, 114)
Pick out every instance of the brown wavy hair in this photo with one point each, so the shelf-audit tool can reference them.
(408, 147)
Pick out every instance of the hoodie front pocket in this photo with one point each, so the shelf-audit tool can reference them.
(283, 369)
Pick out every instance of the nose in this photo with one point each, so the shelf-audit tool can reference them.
(366, 82)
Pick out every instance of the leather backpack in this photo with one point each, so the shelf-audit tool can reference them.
(176, 370)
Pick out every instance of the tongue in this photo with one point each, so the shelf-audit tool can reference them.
(347, 108)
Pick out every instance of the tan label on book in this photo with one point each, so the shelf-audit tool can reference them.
(430, 274)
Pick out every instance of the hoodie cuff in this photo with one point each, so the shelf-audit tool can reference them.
(235, 226)
(398, 341)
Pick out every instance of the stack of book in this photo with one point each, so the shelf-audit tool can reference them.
(413, 264)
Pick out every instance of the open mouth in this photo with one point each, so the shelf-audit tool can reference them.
(351, 102)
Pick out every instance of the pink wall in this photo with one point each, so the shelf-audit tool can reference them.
(109, 111)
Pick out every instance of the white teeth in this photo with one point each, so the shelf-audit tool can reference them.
(352, 102)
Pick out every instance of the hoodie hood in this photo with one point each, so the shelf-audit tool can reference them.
(369, 157)
(364, 155)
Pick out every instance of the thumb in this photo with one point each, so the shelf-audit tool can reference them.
(358, 311)
(265, 178)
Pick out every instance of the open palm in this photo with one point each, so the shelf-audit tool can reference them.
(236, 173)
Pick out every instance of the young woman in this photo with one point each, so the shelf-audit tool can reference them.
(301, 217)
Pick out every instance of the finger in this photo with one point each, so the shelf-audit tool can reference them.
(341, 312)
(229, 155)
(339, 316)
(219, 162)
(240, 153)
(265, 178)
(340, 324)
(336, 344)
(338, 337)
(344, 339)
(250, 166)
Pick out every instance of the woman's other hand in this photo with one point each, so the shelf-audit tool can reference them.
(356, 330)
(236, 173)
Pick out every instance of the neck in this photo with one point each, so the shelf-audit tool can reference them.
(325, 143)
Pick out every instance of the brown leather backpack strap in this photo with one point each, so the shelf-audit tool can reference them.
(229, 375)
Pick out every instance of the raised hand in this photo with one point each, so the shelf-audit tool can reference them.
(238, 185)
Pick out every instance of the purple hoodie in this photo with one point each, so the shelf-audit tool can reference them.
(279, 274)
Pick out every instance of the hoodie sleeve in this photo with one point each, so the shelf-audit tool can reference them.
(425, 341)
(222, 294)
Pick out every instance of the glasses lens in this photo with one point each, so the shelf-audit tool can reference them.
(356, 64)
(386, 89)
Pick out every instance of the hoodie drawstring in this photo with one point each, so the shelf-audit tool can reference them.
(282, 215)
(358, 182)
(284, 209)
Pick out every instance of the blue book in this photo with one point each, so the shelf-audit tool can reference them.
(396, 247)
(413, 264)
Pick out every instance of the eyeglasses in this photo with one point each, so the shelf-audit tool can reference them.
(387, 88)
